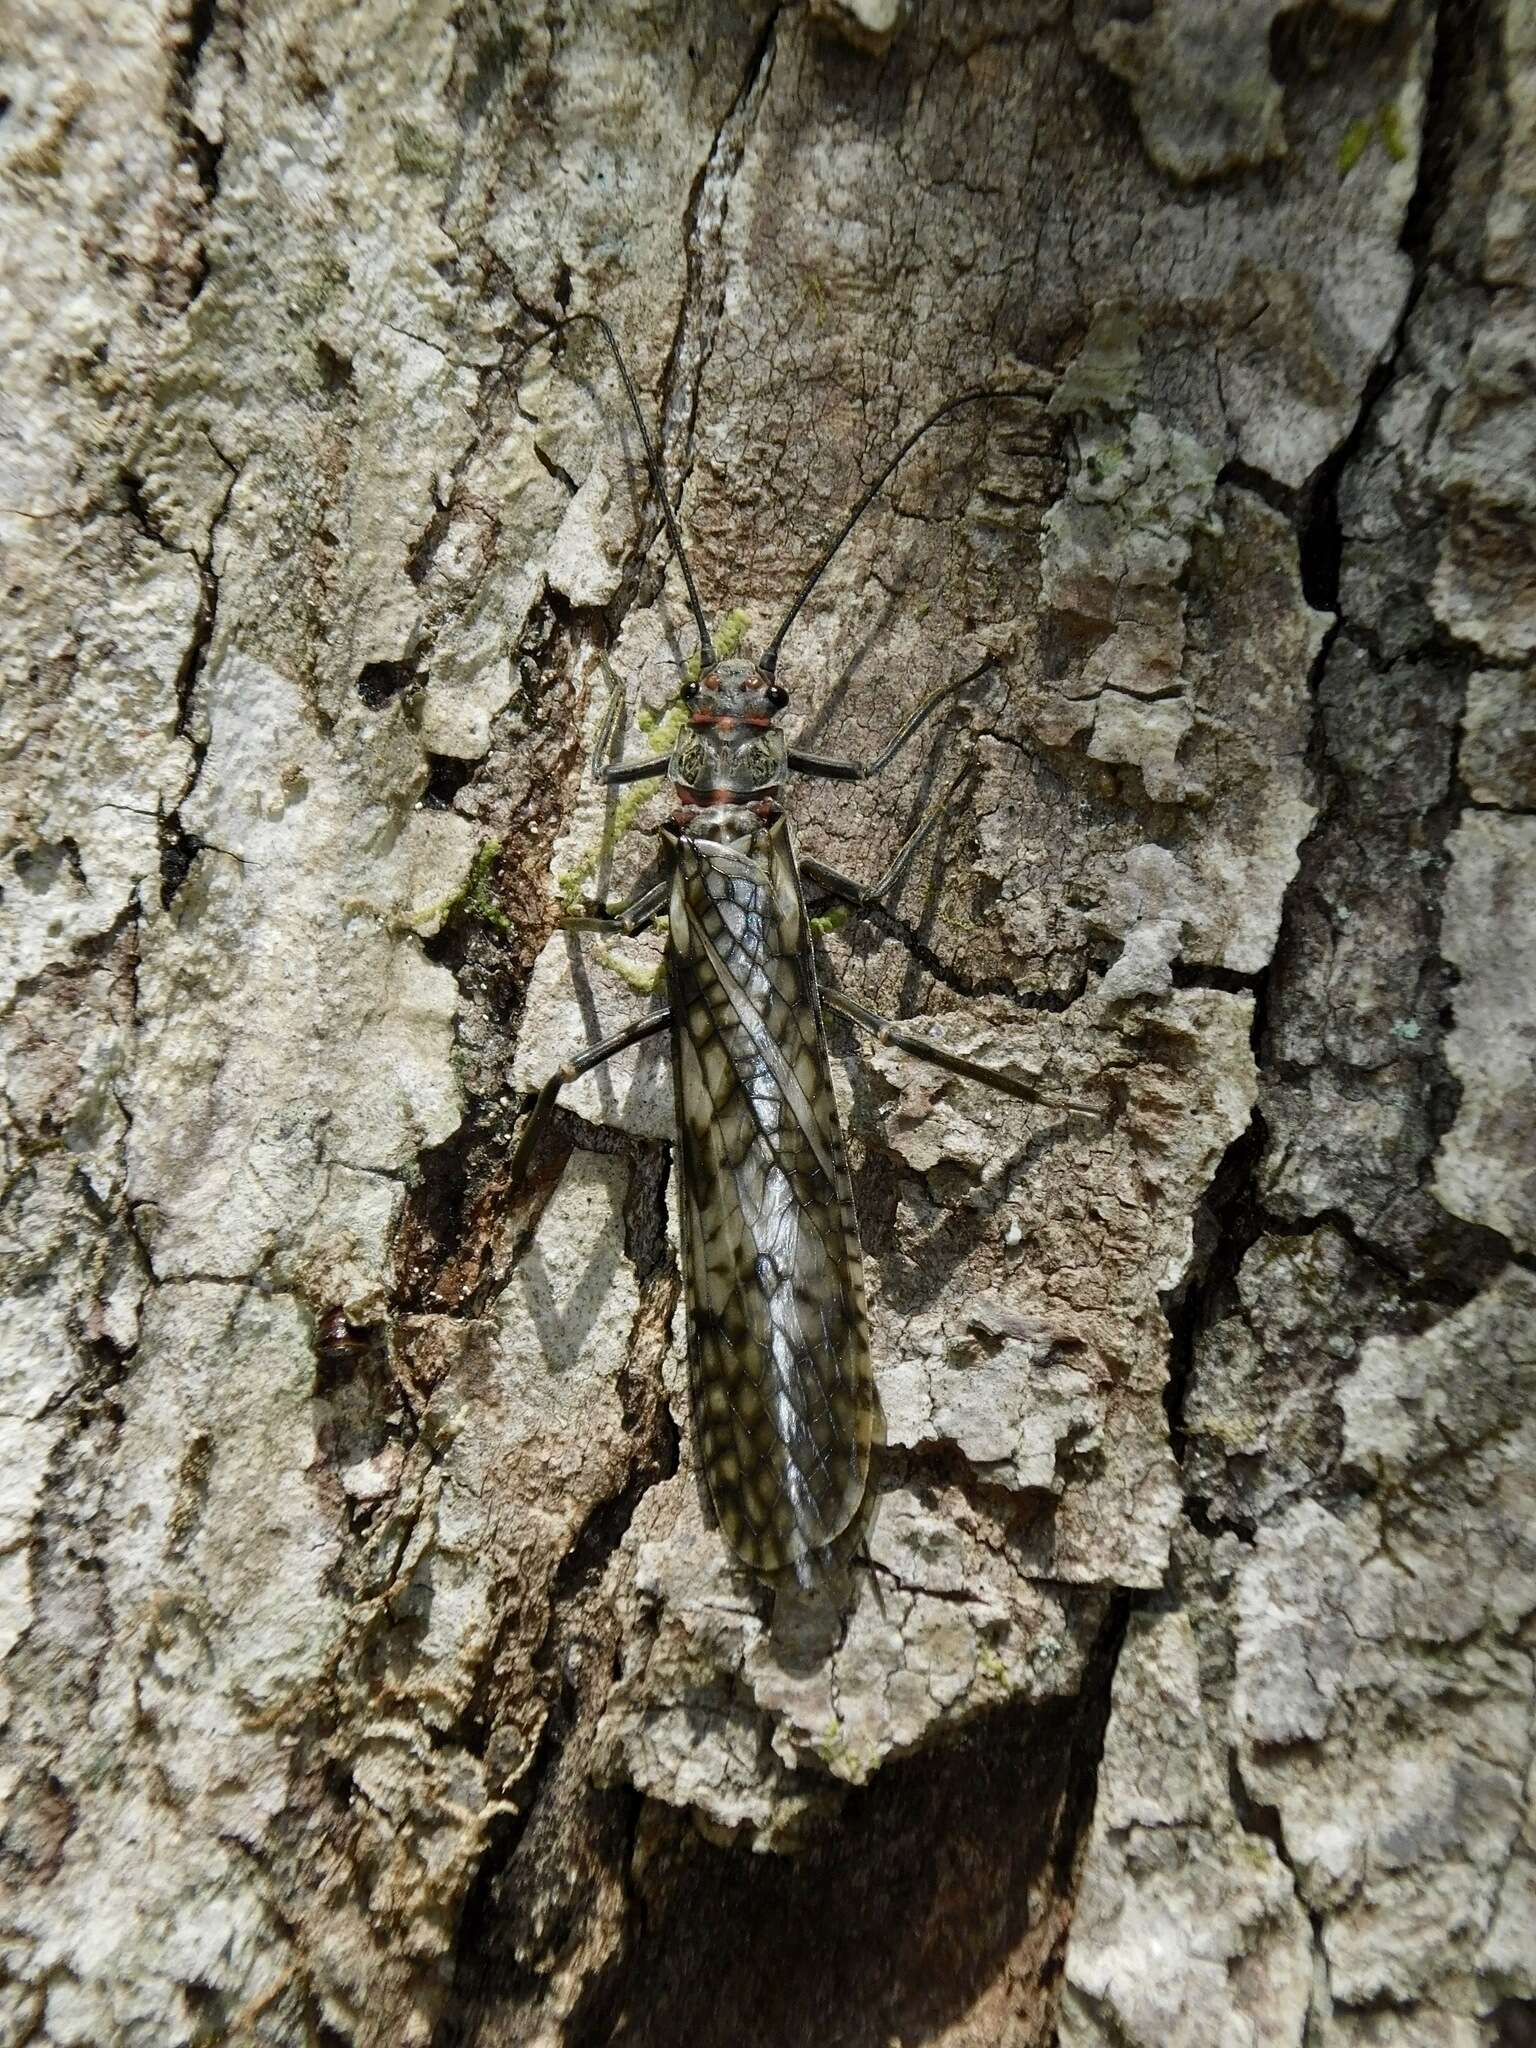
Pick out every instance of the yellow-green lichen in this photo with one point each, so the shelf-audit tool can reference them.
(1107, 459)
(831, 1745)
(728, 636)
(472, 898)
(853, 1766)
(831, 920)
(1104, 374)
(477, 900)
(661, 728)
(626, 809)
(644, 978)
(990, 1665)
(421, 149)
(1385, 125)
(1357, 140)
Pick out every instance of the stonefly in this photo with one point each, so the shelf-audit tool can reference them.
(780, 1382)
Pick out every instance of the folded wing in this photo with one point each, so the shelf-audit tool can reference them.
(778, 1334)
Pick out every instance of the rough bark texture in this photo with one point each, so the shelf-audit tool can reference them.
(371, 1671)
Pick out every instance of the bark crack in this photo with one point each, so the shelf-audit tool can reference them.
(703, 300)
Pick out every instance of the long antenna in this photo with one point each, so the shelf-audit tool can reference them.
(658, 482)
(770, 659)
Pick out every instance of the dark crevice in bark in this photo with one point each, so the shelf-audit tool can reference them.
(139, 509)
(446, 776)
(703, 228)
(454, 1244)
(1463, 30)
(545, 1870)
(178, 847)
(203, 153)
(1280, 497)
(550, 467)
(195, 657)
(1233, 1216)
(380, 682)
(1514, 2023)
(1204, 974)
(1457, 32)
(941, 1892)
(1229, 1223)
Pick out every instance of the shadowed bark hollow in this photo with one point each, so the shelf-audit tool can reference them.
(370, 1668)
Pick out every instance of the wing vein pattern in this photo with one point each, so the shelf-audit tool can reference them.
(778, 1339)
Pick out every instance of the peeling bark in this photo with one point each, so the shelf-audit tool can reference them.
(371, 1670)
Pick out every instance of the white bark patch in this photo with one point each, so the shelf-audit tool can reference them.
(1188, 1931)
(1378, 1706)
(1485, 1170)
(285, 1141)
(220, 1547)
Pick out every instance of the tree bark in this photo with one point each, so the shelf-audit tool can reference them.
(373, 1672)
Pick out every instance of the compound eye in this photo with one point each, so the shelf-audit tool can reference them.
(778, 696)
(690, 693)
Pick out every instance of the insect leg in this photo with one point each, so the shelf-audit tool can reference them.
(572, 1070)
(635, 771)
(620, 771)
(835, 768)
(629, 917)
(890, 1033)
(858, 893)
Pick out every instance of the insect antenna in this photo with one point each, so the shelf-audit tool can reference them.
(770, 659)
(658, 481)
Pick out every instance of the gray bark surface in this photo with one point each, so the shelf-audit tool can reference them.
(370, 1670)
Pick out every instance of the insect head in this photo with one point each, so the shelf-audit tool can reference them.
(731, 750)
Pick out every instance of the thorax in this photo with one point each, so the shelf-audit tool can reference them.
(732, 828)
(733, 875)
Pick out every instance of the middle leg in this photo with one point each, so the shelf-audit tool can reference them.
(860, 894)
(572, 1070)
(628, 918)
(838, 768)
(890, 1033)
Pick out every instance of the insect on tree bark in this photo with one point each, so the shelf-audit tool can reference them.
(780, 1380)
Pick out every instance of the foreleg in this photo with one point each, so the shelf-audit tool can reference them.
(615, 772)
(837, 768)
(858, 893)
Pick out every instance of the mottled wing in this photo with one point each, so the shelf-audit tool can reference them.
(777, 1329)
